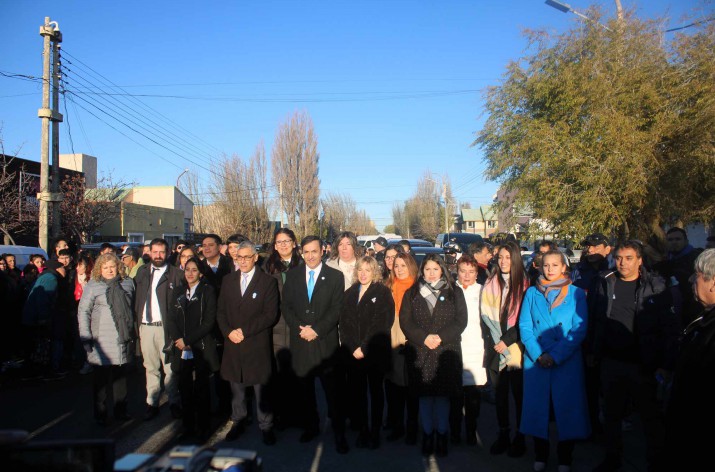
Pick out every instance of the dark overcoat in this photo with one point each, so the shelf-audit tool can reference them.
(255, 312)
(321, 313)
(366, 324)
(193, 320)
(173, 277)
(434, 372)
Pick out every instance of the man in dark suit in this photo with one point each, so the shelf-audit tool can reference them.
(215, 266)
(312, 299)
(247, 310)
(155, 285)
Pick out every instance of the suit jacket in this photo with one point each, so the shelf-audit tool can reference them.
(215, 279)
(173, 277)
(322, 313)
(255, 312)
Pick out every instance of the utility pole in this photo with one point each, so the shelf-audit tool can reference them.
(50, 31)
(56, 120)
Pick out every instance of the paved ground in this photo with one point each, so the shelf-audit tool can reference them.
(61, 410)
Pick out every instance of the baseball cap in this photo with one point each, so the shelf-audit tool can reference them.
(381, 241)
(595, 239)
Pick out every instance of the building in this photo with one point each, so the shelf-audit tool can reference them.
(482, 221)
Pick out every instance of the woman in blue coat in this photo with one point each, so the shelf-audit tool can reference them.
(553, 324)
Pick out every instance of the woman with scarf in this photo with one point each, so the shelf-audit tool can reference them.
(553, 324)
(402, 277)
(499, 307)
(191, 320)
(107, 332)
(432, 316)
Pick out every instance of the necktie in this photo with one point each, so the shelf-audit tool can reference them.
(149, 295)
(311, 284)
(244, 283)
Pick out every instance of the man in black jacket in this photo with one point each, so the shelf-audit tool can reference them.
(312, 299)
(634, 342)
(155, 284)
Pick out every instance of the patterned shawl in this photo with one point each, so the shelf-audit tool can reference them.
(554, 291)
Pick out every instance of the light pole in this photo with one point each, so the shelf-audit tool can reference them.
(179, 177)
(444, 197)
(566, 8)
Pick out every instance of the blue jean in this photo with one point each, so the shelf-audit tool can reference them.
(434, 409)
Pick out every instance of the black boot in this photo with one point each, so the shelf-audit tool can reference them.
(441, 446)
(427, 443)
(375, 438)
(502, 443)
(471, 436)
(518, 446)
(411, 434)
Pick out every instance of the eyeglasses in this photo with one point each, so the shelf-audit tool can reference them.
(245, 258)
(389, 258)
(285, 241)
(180, 247)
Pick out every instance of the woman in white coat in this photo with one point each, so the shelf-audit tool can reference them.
(553, 324)
(474, 374)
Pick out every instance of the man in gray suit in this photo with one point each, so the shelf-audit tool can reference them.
(312, 299)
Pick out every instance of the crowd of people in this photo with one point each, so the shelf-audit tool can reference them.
(399, 349)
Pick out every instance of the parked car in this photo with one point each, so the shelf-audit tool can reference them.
(460, 240)
(94, 247)
(413, 242)
(22, 254)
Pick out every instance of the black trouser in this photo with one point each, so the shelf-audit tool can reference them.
(333, 381)
(106, 379)
(195, 390)
(399, 398)
(501, 383)
(223, 388)
(564, 450)
(621, 382)
(359, 378)
(471, 401)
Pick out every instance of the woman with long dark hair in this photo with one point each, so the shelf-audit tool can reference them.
(344, 256)
(191, 320)
(500, 303)
(433, 315)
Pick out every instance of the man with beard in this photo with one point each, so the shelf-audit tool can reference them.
(155, 283)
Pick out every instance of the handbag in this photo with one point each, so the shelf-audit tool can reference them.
(516, 358)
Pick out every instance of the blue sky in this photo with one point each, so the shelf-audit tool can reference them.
(394, 87)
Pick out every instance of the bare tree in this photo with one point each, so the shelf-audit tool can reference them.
(84, 210)
(192, 187)
(341, 214)
(241, 201)
(18, 207)
(294, 160)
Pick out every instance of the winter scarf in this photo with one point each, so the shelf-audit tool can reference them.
(554, 291)
(490, 307)
(429, 291)
(399, 287)
(119, 306)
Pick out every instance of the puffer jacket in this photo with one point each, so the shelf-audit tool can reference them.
(96, 325)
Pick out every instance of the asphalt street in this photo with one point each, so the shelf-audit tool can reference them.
(61, 410)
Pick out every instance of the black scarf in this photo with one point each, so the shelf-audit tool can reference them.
(119, 307)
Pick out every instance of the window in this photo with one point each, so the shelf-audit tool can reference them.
(172, 238)
(470, 224)
(491, 224)
(135, 238)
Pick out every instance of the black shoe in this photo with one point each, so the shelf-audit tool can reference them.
(374, 439)
(609, 464)
(203, 436)
(341, 444)
(308, 435)
(502, 443)
(237, 429)
(363, 440)
(455, 437)
(427, 444)
(441, 445)
(151, 412)
(176, 412)
(186, 435)
(120, 412)
(269, 437)
(517, 447)
(395, 434)
(471, 439)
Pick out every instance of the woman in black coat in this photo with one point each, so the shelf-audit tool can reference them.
(433, 316)
(191, 320)
(365, 322)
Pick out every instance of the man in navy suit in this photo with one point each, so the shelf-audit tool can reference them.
(312, 299)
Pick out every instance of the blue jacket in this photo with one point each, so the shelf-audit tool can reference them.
(558, 333)
(41, 301)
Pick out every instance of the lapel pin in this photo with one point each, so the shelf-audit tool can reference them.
(374, 299)
(322, 278)
(441, 298)
(254, 294)
(171, 285)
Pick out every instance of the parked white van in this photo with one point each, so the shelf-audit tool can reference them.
(22, 254)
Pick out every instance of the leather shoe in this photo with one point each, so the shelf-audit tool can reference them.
(176, 412)
(269, 437)
(308, 435)
(341, 445)
(237, 429)
(151, 412)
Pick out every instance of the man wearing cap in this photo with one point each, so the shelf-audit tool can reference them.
(634, 341)
(380, 244)
(598, 258)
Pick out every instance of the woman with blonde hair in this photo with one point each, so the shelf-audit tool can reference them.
(365, 321)
(402, 277)
(107, 332)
